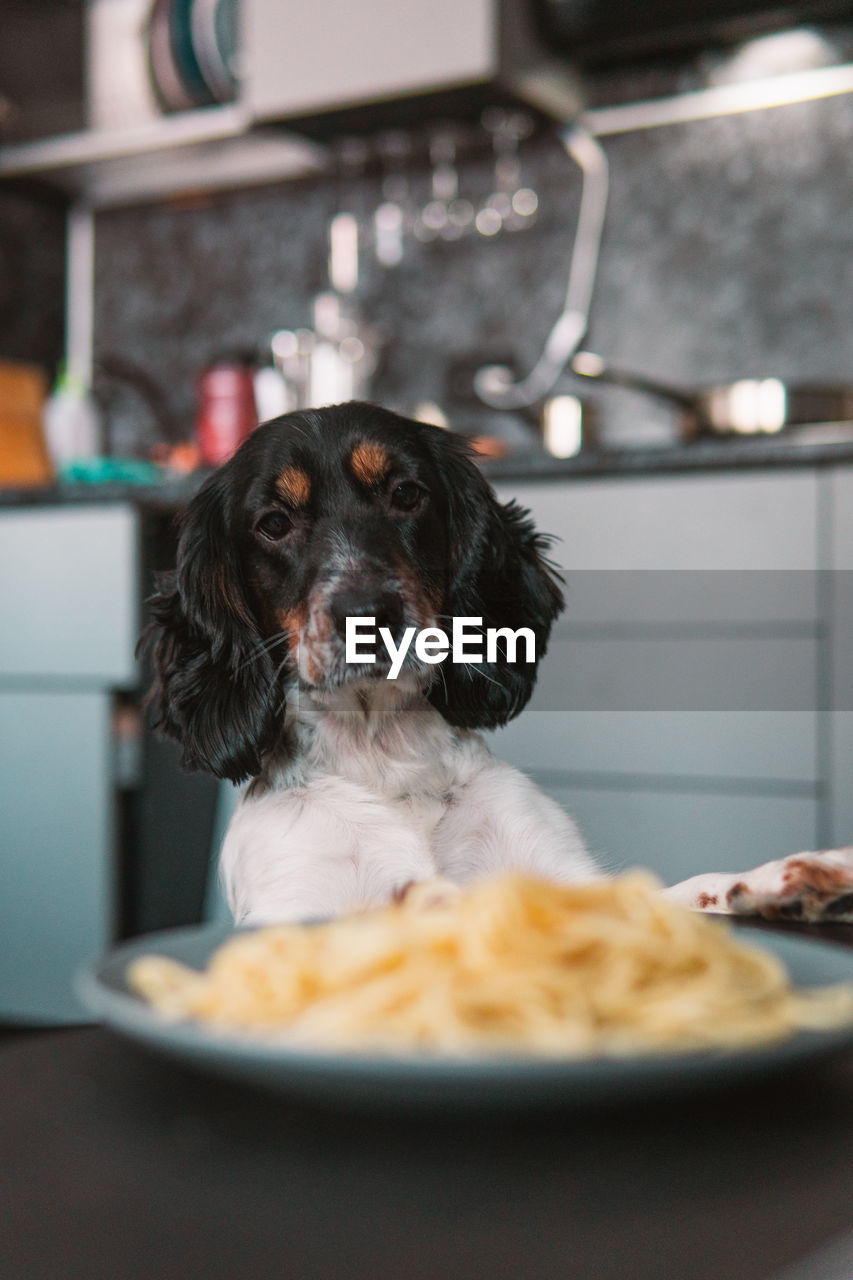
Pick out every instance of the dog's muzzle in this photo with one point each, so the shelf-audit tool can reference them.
(384, 604)
(321, 652)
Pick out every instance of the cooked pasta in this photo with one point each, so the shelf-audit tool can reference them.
(511, 964)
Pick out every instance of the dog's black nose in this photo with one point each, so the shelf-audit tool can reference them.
(382, 604)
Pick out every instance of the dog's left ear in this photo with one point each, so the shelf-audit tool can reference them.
(498, 572)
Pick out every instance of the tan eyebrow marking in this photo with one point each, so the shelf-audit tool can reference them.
(294, 486)
(370, 463)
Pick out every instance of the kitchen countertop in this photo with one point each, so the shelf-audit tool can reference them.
(698, 455)
(704, 455)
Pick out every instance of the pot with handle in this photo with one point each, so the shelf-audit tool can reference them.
(744, 407)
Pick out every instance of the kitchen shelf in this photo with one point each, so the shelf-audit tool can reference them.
(225, 147)
(212, 148)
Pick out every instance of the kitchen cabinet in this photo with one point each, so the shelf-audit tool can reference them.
(839, 679)
(300, 65)
(333, 55)
(723, 521)
(682, 833)
(56, 854)
(764, 747)
(69, 582)
(68, 585)
(678, 713)
(694, 710)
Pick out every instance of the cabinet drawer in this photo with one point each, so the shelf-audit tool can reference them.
(716, 549)
(765, 673)
(779, 746)
(678, 835)
(68, 581)
(695, 522)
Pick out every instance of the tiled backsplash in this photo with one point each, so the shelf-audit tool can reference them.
(728, 251)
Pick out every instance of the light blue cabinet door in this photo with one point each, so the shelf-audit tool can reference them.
(840, 715)
(68, 583)
(677, 835)
(766, 746)
(731, 522)
(56, 882)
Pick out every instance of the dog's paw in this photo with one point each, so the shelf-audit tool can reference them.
(434, 892)
(702, 893)
(810, 886)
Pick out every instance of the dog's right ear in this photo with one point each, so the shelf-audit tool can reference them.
(215, 689)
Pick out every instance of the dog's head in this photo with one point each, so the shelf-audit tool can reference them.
(342, 512)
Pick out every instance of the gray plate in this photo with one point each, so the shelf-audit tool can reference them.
(416, 1081)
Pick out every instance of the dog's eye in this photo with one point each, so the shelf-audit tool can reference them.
(273, 526)
(406, 496)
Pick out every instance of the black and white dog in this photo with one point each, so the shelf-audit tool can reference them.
(361, 784)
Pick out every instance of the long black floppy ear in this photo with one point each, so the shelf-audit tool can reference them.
(498, 573)
(215, 689)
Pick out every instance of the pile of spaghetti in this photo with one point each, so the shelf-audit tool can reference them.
(512, 964)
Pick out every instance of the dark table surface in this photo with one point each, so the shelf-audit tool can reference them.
(117, 1164)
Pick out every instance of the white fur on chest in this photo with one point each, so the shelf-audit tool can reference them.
(375, 789)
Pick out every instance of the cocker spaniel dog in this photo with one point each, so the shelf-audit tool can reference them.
(362, 784)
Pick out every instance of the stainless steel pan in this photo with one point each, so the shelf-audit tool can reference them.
(745, 407)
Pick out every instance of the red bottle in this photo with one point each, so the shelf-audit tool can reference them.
(226, 411)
